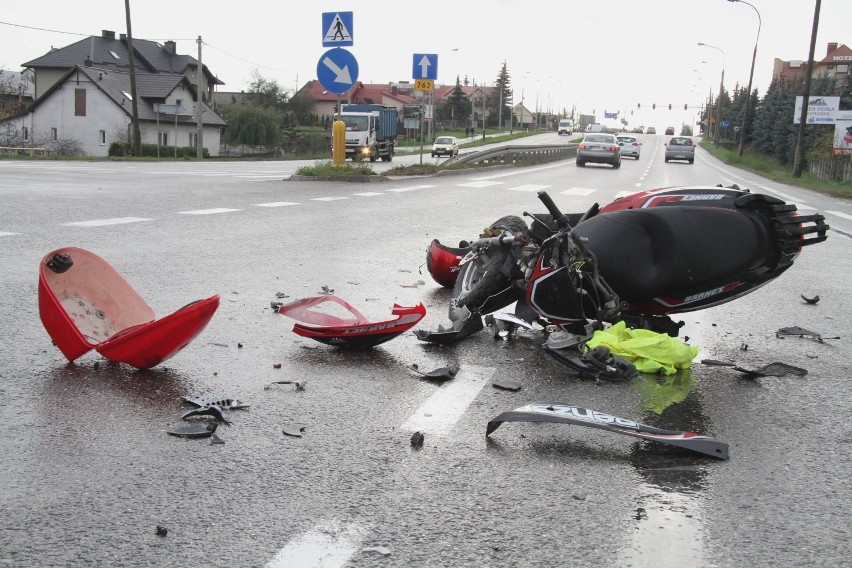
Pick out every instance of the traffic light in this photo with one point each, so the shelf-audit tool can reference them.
(654, 106)
(684, 107)
(638, 105)
(670, 106)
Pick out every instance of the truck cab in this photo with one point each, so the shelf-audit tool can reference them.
(370, 131)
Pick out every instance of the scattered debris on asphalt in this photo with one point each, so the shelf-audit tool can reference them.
(214, 440)
(797, 331)
(380, 549)
(280, 295)
(194, 431)
(598, 363)
(294, 431)
(506, 385)
(226, 403)
(414, 284)
(578, 496)
(640, 514)
(812, 300)
(717, 363)
(298, 384)
(772, 370)
(162, 531)
(417, 439)
(211, 410)
(439, 374)
(326, 290)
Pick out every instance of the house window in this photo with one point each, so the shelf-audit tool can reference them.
(193, 139)
(844, 68)
(79, 102)
(2, 105)
(178, 105)
(163, 138)
(54, 134)
(25, 132)
(102, 137)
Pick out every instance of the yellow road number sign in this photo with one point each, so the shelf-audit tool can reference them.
(424, 84)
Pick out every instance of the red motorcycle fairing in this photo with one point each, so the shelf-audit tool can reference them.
(341, 332)
(709, 196)
(442, 262)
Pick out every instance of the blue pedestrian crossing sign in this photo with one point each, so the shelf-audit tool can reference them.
(336, 29)
(425, 66)
(337, 70)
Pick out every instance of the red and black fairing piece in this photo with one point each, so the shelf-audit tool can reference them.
(348, 332)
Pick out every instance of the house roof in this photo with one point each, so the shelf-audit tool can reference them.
(151, 88)
(841, 51)
(359, 92)
(105, 51)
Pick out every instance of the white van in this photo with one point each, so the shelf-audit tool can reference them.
(595, 128)
(566, 126)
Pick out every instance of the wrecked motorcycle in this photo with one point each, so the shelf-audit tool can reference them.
(639, 259)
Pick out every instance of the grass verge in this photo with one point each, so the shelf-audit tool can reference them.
(327, 168)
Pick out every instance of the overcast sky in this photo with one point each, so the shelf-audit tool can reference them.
(605, 55)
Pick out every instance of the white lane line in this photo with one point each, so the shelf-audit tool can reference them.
(208, 211)
(104, 222)
(412, 188)
(4, 234)
(327, 545)
(481, 183)
(837, 213)
(369, 193)
(443, 409)
(335, 198)
(529, 187)
(260, 176)
(579, 191)
(275, 204)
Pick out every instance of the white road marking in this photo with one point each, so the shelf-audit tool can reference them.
(443, 409)
(369, 193)
(208, 211)
(412, 188)
(579, 191)
(4, 234)
(477, 184)
(335, 198)
(327, 545)
(529, 187)
(104, 222)
(275, 204)
(837, 213)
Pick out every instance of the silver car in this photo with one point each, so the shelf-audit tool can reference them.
(680, 148)
(601, 148)
(630, 146)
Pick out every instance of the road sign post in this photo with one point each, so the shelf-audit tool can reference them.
(337, 29)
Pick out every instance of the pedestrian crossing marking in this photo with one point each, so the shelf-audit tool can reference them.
(478, 184)
(530, 187)
(276, 204)
(579, 191)
(105, 222)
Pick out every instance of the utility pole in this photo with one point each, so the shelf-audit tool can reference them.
(137, 135)
(799, 160)
(199, 130)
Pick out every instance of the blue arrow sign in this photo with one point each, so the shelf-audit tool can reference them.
(337, 70)
(336, 29)
(425, 66)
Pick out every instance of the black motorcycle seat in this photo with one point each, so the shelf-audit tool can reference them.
(647, 253)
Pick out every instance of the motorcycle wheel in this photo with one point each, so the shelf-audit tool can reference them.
(484, 284)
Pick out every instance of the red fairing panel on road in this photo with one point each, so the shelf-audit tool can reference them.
(356, 332)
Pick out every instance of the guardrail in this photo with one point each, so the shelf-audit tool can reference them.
(9, 151)
(511, 154)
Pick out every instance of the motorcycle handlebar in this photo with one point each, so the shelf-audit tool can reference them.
(506, 240)
(560, 218)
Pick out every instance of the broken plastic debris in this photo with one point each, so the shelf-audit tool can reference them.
(298, 384)
(598, 363)
(380, 549)
(226, 403)
(414, 284)
(461, 328)
(417, 439)
(294, 431)
(281, 295)
(214, 440)
(440, 374)
(716, 363)
(211, 410)
(357, 332)
(569, 414)
(507, 385)
(800, 332)
(773, 370)
(326, 290)
(162, 531)
(194, 431)
(812, 300)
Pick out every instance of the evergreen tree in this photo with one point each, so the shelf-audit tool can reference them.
(503, 97)
(458, 106)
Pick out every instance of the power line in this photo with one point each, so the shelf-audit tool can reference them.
(244, 60)
(42, 29)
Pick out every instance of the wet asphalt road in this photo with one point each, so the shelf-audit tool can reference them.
(88, 471)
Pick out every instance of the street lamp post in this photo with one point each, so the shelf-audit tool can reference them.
(750, 76)
(721, 87)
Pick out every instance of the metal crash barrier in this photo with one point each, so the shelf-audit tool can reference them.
(511, 154)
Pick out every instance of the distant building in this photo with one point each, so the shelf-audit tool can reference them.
(17, 92)
(836, 64)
